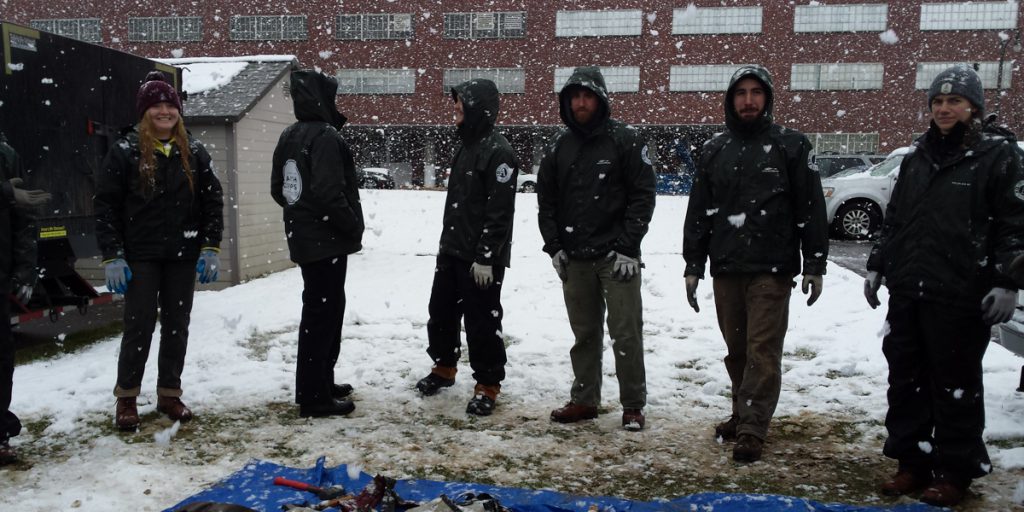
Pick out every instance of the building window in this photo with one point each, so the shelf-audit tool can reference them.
(268, 28)
(716, 20)
(844, 143)
(969, 15)
(988, 71)
(374, 26)
(165, 29)
(825, 77)
(691, 78)
(508, 80)
(83, 29)
(484, 25)
(376, 81)
(616, 78)
(841, 18)
(598, 23)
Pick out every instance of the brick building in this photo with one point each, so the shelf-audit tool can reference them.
(851, 75)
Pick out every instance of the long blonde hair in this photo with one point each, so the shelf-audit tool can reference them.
(147, 159)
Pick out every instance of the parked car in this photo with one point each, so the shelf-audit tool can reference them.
(375, 177)
(855, 200)
(673, 184)
(526, 182)
(829, 164)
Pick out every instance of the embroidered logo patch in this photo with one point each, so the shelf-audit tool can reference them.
(1018, 190)
(645, 154)
(292, 187)
(503, 173)
(946, 88)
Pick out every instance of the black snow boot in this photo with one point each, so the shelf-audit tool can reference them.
(341, 390)
(440, 377)
(483, 401)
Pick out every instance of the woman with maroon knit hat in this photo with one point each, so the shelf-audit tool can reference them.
(159, 217)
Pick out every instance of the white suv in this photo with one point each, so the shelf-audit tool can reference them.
(855, 200)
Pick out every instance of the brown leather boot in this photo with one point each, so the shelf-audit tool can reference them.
(8, 455)
(126, 414)
(173, 407)
(571, 413)
(906, 480)
(945, 493)
(727, 429)
(633, 419)
(748, 449)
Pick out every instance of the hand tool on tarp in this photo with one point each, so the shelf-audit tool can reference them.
(324, 493)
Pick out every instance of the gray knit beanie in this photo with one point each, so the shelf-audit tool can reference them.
(961, 80)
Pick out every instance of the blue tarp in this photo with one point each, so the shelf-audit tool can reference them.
(253, 487)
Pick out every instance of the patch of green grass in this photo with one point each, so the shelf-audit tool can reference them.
(1005, 444)
(801, 353)
(71, 343)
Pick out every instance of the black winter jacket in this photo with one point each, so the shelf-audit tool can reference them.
(479, 208)
(755, 205)
(595, 185)
(955, 220)
(166, 222)
(17, 228)
(314, 176)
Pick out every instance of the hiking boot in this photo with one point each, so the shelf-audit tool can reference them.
(944, 492)
(334, 407)
(633, 419)
(571, 413)
(483, 401)
(174, 408)
(341, 390)
(748, 449)
(905, 481)
(440, 377)
(126, 414)
(7, 454)
(726, 430)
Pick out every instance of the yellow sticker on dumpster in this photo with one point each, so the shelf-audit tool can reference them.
(53, 232)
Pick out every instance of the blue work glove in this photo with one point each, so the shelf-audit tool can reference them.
(623, 267)
(208, 266)
(998, 305)
(23, 292)
(118, 275)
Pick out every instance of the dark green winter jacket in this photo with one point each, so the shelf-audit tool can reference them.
(314, 176)
(756, 206)
(17, 228)
(595, 185)
(480, 204)
(955, 219)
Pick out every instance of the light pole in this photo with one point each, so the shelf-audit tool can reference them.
(1014, 36)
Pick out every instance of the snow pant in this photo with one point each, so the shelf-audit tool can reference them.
(323, 312)
(589, 288)
(10, 426)
(169, 286)
(753, 314)
(936, 410)
(455, 297)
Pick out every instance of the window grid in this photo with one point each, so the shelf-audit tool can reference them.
(844, 143)
(701, 78)
(83, 29)
(717, 20)
(988, 71)
(376, 81)
(969, 15)
(165, 29)
(598, 23)
(830, 77)
(484, 25)
(616, 78)
(272, 28)
(374, 26)
(508, 80)
(841, 18)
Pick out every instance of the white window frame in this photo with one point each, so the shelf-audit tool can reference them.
(269, 28)
(376, 81)
(836, 76)
(841, 18)
(717, 20)
(485, 25)
(624, 22)
(374, 26)
(988, 71)
(701, 78)
(508, 80)
(616, 78)
(89, 30)
(167, 28)
(969, 15)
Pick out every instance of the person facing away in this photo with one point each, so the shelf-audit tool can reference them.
(595, 192)
(159, 219)
(17, 277)
(955, 220)
(475, 248)
(755, 208)
(314, 180)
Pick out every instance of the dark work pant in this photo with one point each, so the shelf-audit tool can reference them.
(323, 312)
(168, 285)
(753, 314)
(936, 397)
(454, 296)
(9, 424)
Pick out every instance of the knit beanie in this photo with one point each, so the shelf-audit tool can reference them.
(154, 90)
(961, 80)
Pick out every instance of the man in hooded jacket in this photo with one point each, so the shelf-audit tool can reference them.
(755, 207)
(474, 251)
(595, 192)
(314, 180)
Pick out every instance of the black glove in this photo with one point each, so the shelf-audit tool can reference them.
(691, 292)
(871, 284)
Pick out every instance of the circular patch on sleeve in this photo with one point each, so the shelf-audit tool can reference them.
(1018, 190)
(645, 154)
(503, 173)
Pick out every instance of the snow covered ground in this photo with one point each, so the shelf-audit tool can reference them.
(240, 371)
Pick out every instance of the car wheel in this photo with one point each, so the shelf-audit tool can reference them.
(529, 187)
(857, 220)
